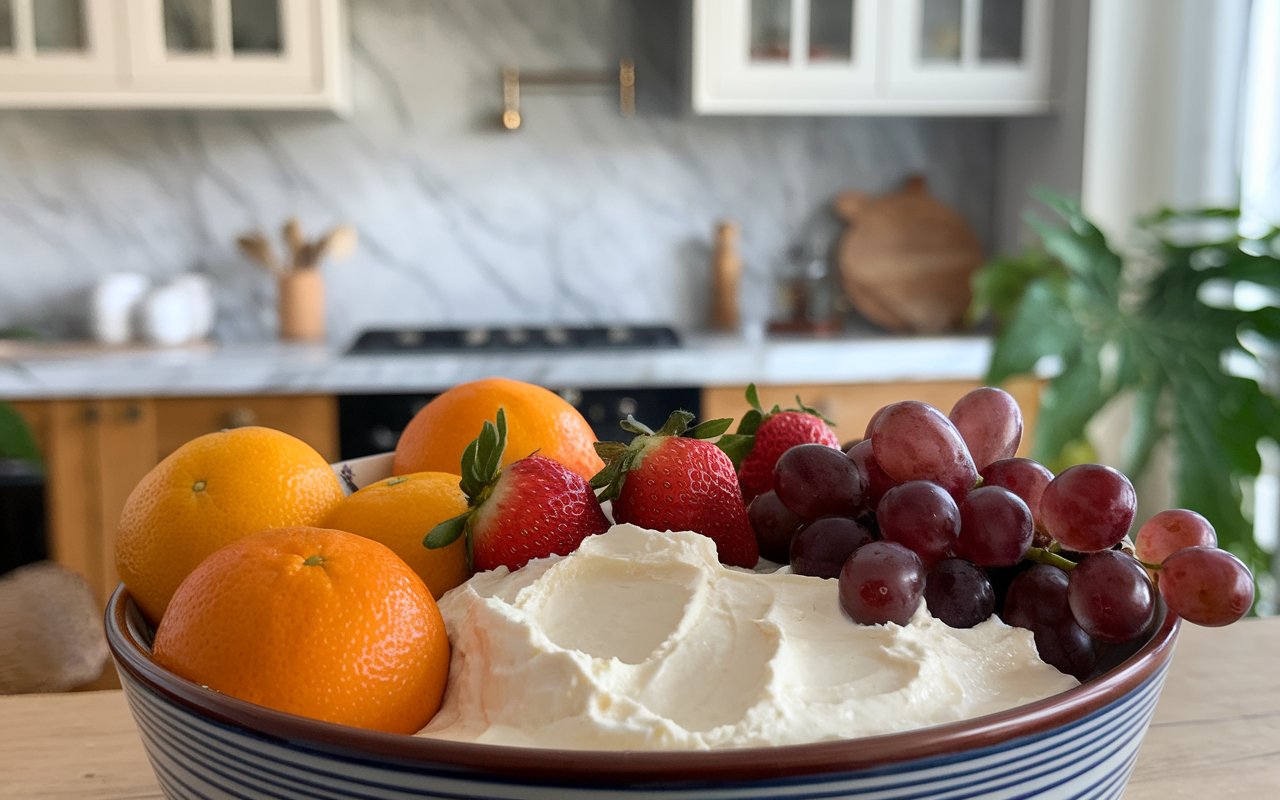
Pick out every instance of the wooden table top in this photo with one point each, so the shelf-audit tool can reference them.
(1216, 731)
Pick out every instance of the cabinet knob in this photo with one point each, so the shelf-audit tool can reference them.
(131, 413)
(240, 417)
(90, 414)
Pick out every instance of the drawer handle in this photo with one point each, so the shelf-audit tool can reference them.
(240, 417)
(131, 413)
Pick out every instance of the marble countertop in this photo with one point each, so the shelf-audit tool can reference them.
(56, 371)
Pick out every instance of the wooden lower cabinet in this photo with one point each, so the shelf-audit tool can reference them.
(850, 406)
(96, 451)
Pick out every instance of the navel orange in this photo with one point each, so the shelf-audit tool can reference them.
(211, 491)
(538, 420)
(321, 623)
(399, 511)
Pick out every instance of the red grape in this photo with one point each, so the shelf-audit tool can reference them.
(995, 527)
(1169, 531)
(920, 516)
(774, 525)
(1088, 507)
(958, 593)
(821, 547)
(1067, 648)
(1111, 596)
(1037, 595)
(990, 423)
(814, 480)
(1206, 586)
(1023, 477)
(881, 582)
(915, 441)
(877, 481)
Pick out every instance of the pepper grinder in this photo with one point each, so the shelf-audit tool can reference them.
(726, 275)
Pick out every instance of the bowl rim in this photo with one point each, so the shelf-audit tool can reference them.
(612, 766)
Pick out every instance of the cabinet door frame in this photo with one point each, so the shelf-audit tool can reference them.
(971, 85)
(25, 71)
(307, 73)
(726, 80)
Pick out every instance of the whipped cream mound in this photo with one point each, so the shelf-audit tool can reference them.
(643, 641)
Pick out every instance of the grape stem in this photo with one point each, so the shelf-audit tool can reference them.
(1042, 555)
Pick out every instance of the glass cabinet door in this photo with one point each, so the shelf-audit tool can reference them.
(225, 46)
(783, 56)
(992, 52)
(53, 45)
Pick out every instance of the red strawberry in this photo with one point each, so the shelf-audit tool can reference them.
(534, 508)
(668, 481)
(764, 436)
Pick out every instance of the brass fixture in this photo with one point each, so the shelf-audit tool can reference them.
(512, 79)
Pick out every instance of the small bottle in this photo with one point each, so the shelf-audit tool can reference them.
(726, 274)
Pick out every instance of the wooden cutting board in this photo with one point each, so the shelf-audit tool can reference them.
(906, 259)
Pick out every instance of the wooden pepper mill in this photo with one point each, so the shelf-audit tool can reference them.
(726, 277)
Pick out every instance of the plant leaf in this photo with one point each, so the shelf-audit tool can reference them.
(753, 397)
(1067, 404)
(1041, 326)
(16, 440)
(1145, 431)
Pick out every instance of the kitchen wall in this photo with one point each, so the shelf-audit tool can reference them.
(581, 216)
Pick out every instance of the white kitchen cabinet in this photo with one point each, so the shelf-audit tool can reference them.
(918, 57)
(174, 54)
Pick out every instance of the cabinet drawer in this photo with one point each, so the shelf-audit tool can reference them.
(311, 418)
(850, 406)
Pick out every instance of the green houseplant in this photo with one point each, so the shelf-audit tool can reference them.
(1143, 326)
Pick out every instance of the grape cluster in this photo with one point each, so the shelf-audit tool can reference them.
(935, 507)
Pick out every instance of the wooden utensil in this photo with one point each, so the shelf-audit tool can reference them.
(291, 232)
(256, 247)
(906, 259)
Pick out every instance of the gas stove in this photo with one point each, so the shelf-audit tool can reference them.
(515, 339)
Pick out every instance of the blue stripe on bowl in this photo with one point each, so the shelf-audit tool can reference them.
(194, 756)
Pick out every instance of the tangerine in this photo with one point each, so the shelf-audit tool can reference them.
(315, 622)
(399, 512)
(209, 492)
(538, 420)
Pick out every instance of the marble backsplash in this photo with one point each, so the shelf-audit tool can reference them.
(581, 216)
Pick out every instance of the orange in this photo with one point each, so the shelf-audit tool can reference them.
(537, 420)
(399, 512)
(211, 491)
(316, 622)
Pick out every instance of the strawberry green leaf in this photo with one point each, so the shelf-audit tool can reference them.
(676, 424)
(483, 456)
(736, 447)
(608, 451)
(710, 429)
(800, 406)
(446, 533)
(632, 425)
(753, 398)
(750, 422)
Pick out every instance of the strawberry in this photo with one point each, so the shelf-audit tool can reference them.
(764, 436)
(670, 481)
(532, 508)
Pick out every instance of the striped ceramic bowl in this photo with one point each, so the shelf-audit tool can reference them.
(1078, 744)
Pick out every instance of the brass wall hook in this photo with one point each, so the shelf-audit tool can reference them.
(512, 80)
